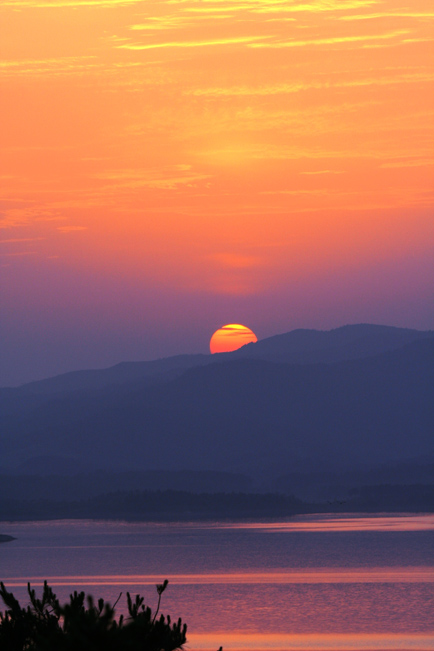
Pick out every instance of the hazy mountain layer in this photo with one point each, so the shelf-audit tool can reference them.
(239, 415)
(297, 346)
(330, 346)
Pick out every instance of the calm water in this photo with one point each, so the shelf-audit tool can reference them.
(319, 583)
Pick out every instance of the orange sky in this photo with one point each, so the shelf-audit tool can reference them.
(268, 162)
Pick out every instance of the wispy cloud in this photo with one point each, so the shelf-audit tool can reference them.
(409, 162)
(71, 229)
(17, 254)
(19, 217)
(332, 40)
(320, 6)
(272, 6)
(21, 239)
(382, 151)
(236, 40)
(320, 172)
(59, 65)
(388, 14)
(160, 179)
(158, 23)
(422, 76)
(190, 18)
(53, 4)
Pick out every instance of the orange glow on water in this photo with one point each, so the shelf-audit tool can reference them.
(312, 576)
(313, 642)
(244, 602)
(231, 337)
(331, 523)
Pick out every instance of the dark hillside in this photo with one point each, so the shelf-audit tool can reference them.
(338, 345)
(244, 416)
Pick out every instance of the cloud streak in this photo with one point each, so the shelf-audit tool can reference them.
(333, 40)
(57, 66)
(56, 4)
(390, 14)
(15, 240)
(296, 87)
(71, 229)
(164, 179)
(237, 40)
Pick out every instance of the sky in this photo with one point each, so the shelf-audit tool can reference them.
(171, 166)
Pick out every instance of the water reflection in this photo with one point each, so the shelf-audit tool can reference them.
(258, 642)
(319, 575)
(342, 523)
(326, 583)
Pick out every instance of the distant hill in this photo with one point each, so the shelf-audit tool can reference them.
(241, 415)
(331, 346)
(156, 506)
(296, 347)
(122, 373)
(33, 483)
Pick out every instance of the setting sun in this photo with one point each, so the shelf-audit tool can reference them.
(231, 337)
(167, 162)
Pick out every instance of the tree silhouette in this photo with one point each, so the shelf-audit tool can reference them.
(46, 625)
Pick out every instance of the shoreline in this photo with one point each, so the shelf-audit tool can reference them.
(196, 518)
(183, 506)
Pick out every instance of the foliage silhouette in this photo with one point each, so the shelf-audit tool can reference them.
(45, 625)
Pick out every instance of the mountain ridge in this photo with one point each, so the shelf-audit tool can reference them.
(304, 346)
(242, 415)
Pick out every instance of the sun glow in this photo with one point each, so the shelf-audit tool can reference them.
(182, 158)
(231, 337)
